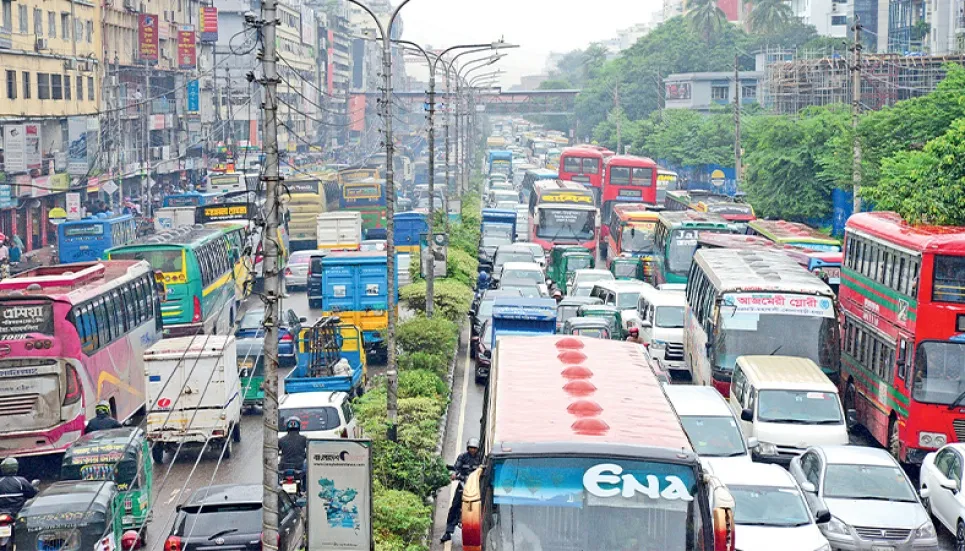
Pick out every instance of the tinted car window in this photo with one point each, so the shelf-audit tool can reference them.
(210, 519)
(313, 419)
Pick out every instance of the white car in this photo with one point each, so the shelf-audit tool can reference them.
(588, 275)
(941, 488)
(323, 414)
(296, 271)
(710, 425)
(523, 273)
(771, 508)
(539, 255)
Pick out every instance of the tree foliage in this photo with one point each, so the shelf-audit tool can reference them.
(769, 15)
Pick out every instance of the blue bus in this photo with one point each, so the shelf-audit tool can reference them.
(86, 240)
(192, 199)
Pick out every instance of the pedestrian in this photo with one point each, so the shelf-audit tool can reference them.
(16, 249)
(466, 463)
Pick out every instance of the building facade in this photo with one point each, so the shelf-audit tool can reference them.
(705, 92)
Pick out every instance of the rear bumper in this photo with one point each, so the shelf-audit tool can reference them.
(44, 442)
(183, 330)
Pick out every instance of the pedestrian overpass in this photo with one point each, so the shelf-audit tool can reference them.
(494, 101)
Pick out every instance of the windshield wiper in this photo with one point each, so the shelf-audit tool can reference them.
(957, 401)
(772, 351)
(789, 421)
(222, 533)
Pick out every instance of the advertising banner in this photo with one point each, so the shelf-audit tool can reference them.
(147, 37)
(6, 196)
(220, 213)
(40, 187)
(678, 91)
(32, 154)
(194, 96)
(187, 50)
(209, 24)
(780, 303)
(73, 206)
(77, 150)
(14, 148)
(339, 495)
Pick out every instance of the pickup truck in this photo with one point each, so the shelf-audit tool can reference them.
(515, 316)
(321, 347)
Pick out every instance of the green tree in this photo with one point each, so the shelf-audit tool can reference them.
(705, 17)
(769, 16)
(685, 137)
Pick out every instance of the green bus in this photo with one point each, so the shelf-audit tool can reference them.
(198, 273)
(675, 242)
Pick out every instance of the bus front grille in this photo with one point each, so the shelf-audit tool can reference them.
(959, 426)
(22, 404)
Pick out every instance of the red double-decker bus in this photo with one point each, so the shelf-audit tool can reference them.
(903, 352)
(583, 164)
(628, 179)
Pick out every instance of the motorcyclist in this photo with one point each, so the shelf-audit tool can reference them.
(294, 448)
(103, 421)
(482, 283)
(14, 490)
(634, 336)
(466, 463)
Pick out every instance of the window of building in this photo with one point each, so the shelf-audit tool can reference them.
(38, 22)
(65, 26)
(67, 87)
(749, 91)
(56, 87)
(80, 88)
(7, 15)
(25, 76)
(90, 88)
(90, 32)
(11, 84)
(24, 24)
(719, 93)
(839, 19)
(43, 86)
(78, 29)
(51, 24)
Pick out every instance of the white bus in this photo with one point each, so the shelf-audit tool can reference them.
(746, 302)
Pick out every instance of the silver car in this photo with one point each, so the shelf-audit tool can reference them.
(296, 271)
(873, 505)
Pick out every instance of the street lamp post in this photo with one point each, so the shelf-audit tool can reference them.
(461, 74)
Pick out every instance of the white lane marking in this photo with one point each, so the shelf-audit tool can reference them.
(174, 495)
(462, 420)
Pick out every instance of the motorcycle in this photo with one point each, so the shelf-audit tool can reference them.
(7, 522)
(292, 483)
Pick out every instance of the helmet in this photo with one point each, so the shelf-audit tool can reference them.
(634, 331)
(293, 423)
(473, 443)
(9, 466)
(103, 407)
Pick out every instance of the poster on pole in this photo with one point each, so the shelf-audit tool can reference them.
(73, 206)
(339, 495)
(147, 37)
(187, 49)
(194, 96)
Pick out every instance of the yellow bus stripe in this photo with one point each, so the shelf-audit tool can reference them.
(217, 284)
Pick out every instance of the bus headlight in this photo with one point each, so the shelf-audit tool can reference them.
(931, 439)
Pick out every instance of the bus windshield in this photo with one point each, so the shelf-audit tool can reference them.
(557, 223)
(636, 240)
(939, 378)
(680, 251)
(586, 504)
(167, 261)
(78, 230)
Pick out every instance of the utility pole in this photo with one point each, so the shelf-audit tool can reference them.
(431, 267)
(146, 135)
(269, 503)
(737, 120)
(855, 115)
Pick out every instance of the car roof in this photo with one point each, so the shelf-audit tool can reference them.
(308, 253)
(753, 474)
(856, 455)
(664, 298)
(312, 399)
(698, 400)
(622, 286)
(493, 294)
(785, 372)
(226, 493)
(514, 247)
(522, 266)
(588, 271)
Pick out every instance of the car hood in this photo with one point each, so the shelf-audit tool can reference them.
(875, 513)
(762, 538)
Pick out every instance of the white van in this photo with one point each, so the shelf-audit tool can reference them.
(323, 414)
(788, 404)
(193, 394)
(622, 295)
(660, 319)
(710, 425)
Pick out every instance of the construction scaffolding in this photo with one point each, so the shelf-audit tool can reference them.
(809, 80)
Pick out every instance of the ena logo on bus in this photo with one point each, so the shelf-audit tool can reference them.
(628, 486)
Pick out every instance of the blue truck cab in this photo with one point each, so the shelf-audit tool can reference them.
(501, 162)
(498, 228)
(352, 285)
(409, 227)
(518, 317)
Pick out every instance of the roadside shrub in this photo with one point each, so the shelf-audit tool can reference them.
(399, 520)
(399, 468)
(452, 299)
(435, 335)
(409, 361)
(462, 267)
(422, 383)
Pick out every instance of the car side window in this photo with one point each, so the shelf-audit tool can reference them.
(955, 467)
(347, 411)
(751, 398)
(942, 461)
(811, 465)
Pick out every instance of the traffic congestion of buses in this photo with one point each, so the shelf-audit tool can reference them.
(660, 369)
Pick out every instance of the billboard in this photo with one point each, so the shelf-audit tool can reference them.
(147, 37)
(339, 495)
(194, 96)
(678, 91)
(209, 24)
(77, 150)
(187, 49)
(14, 148)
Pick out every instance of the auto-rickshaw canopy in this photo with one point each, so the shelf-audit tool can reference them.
(112, 454)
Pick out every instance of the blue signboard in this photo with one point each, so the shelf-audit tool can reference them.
(194, 96)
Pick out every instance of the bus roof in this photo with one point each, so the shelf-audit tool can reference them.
(630, 160)
(543, 173)
(735, 241)
(688, 218)
(563, 192)
(635, 212)
(588, 394)
(891, 228)
(184, 236)
(73, 280)
(111, 219)
(731, 270)
(784, 231)
(582, 151)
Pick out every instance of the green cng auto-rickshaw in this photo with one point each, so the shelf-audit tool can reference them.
(618, 331)
(628, 268)
(121, 456)
(564, 261)
(251, 372)
(73, 515)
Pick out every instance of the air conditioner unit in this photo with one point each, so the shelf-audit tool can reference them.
(131, 5)
(70, 64)
(86, 66)
(41, 44)
(156, 153)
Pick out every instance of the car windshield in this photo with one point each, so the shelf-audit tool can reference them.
(625, 269)
(877, 482)
(765, 506)
(582, 290)
(312, 418)
(637, 240)
(167, 261)
(939, 374)
(562, 223)
(496, 236)
(714, 436)
(503, 257)
(299, 259)
(593, 332)
(528, 291)
(627, 300)
(252, 320)
(225, 519)
(799, 406)
(669, 317)
(527, 276)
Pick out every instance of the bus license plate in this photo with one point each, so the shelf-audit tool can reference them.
(6, 531)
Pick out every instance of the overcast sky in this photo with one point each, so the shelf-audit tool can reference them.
(537, 26)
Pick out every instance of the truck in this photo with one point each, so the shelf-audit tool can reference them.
(193, 394)
(501, 162)
(519, 317)
(168, 218)
(498, 228)
(353, 286)
(321, 349)
(339, 231)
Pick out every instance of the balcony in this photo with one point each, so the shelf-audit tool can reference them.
(162, 107)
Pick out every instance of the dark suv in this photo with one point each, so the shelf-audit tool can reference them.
(228, 517)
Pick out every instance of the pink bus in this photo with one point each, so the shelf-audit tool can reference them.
(70, 336)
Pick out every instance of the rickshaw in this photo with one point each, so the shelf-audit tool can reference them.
(251, 372)
(568, 307)
(566, 259)
(594, 327)
(76, 514)
(121, 456)
(611, 313)
(628, 268)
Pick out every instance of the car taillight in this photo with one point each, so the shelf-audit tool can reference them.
(173, 543)
(196, 317)
(73, 386)
(6, 519)
(261, 540)
(288, 271)
(286, 337)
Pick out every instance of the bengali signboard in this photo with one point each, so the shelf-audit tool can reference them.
(209, 24)
(147, 37)
(217, 213)
(339, 495)
(187, 49)
(780, 303)
(20, 319)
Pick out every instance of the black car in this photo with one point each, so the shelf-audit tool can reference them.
(484, 308)
(484, 354)
(228, 518)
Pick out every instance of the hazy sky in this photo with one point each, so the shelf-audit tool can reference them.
(537, 26)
